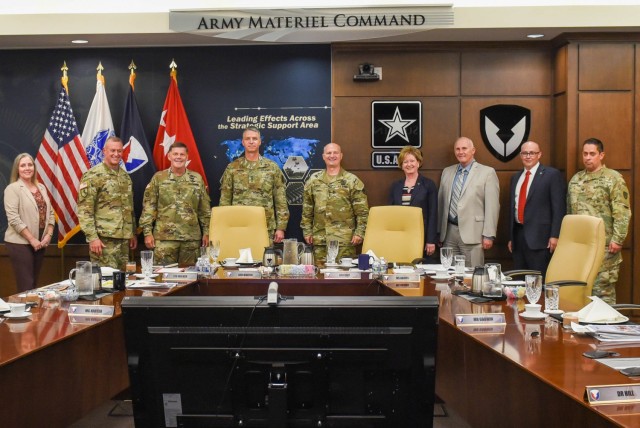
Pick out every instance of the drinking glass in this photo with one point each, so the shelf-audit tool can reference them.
(332, 250)
(146, 263)
(533, 289)
(131, 267)
(446, 257)
(459, 265)
(551, 298)
(214, 250)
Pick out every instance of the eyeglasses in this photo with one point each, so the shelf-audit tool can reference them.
(528, 154)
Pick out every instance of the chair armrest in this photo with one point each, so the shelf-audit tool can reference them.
(521, 272)
(567, 282)
(419, 261)
(625, 306)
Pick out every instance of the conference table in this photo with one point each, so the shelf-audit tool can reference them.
(54, 371)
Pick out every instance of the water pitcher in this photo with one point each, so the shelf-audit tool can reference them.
(292, 249)
(81, 278)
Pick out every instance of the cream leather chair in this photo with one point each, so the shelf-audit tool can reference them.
(395, 232)
(577, 258)
(239, 227)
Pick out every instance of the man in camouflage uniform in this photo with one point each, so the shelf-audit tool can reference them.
(601, 192)
(105, 209)
(252, 180)
(177, 210)
(334, 207)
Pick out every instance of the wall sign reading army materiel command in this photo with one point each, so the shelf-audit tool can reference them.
(395, 124)
(504, 128)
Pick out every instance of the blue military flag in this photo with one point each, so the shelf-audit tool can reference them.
(137, 152)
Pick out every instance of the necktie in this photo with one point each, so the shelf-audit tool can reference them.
(455, 194)
(522, 197)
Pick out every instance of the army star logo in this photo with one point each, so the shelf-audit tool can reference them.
(397, 126)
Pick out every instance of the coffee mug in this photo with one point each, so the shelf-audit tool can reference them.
(364, 261)
(296, 270)
(346, 261)
(17, 308)
(119, 280)
(533, 308)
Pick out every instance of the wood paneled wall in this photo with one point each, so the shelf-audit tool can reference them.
(574, 89)
(453, 85)
(595, 95)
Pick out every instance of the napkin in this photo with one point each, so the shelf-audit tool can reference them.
(245, 256)
(4, 306)
(598, 311)
(370, 253)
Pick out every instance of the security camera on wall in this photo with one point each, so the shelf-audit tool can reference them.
(366, 73)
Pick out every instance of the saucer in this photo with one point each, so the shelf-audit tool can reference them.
(533, 316)
(230, 265)
(441, 277)
(141, 276)
(556, 312)
(332, 264)
(23, 315)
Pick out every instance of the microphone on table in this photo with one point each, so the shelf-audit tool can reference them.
(272, 294)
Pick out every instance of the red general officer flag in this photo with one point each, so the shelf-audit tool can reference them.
(174, 126)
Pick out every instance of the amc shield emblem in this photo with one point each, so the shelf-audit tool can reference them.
(504, 128)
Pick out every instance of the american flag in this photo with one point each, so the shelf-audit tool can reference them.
(61, 161)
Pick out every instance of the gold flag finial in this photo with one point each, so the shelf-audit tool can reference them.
(99, 76)
(174, 69)
(132, 75)
(65, 78)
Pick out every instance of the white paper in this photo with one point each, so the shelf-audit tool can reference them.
(4, 306)
(619, 363)
(170, 270)
(144, 284)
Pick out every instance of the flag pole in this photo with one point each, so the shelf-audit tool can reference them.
(132, 76)
(174, 70)
(64, 80)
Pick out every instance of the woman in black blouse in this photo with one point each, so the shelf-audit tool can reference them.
(417, 190)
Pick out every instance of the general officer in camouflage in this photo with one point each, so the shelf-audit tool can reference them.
(601, 192)
(105, 209)
(334, 207)
(176, 211)
(252, 180)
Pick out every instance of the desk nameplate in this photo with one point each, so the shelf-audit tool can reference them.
(180, 276)
(91, 310)
(396, 284)
(243, 274)
(342, 275)
(480, 319)
(483, 328)
(612, 394)
(402, 277)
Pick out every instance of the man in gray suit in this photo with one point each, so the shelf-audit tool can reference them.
(468, 205)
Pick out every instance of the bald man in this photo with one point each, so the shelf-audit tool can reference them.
(468, 205)
(334, 206)
(537, 205)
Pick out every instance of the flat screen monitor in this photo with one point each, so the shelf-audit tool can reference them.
(309, 361)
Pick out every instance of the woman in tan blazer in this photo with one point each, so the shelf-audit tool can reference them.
(30, 222)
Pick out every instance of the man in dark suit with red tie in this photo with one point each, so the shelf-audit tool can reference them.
(537, 206)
